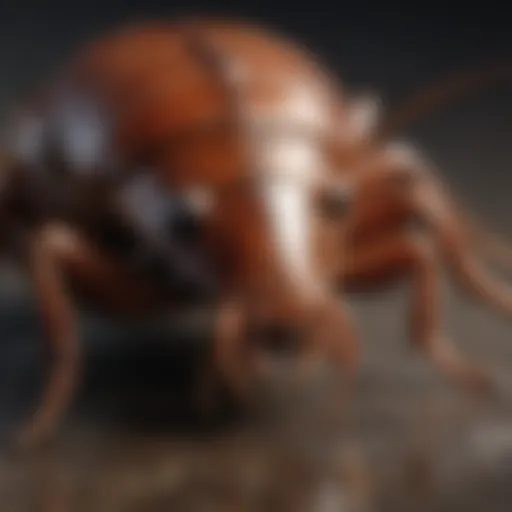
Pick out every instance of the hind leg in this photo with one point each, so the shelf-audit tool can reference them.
(61, 335)
(380, 247)
(57, 256)
(399, 253)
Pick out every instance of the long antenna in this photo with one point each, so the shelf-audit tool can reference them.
(436, 94)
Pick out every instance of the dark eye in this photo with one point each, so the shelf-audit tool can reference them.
(335, 201)
(188, 212)
(184, 224)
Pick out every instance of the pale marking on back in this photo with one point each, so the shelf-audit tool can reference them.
(82, 132)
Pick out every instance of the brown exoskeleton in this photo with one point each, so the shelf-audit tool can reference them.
(253, 137)
(221, 117)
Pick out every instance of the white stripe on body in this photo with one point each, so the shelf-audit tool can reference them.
(288, 209)
(290, 167)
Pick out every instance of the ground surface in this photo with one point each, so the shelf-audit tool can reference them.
(410, 441)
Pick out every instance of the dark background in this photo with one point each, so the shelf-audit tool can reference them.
(390, 49)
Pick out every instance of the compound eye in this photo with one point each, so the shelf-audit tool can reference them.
(189, 211)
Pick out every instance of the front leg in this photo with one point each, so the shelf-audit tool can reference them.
(232, 362)
(229, 349)
(61, 334)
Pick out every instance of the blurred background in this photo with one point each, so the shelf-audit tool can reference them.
(410, 441)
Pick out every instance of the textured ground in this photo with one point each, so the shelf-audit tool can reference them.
(409, 442)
